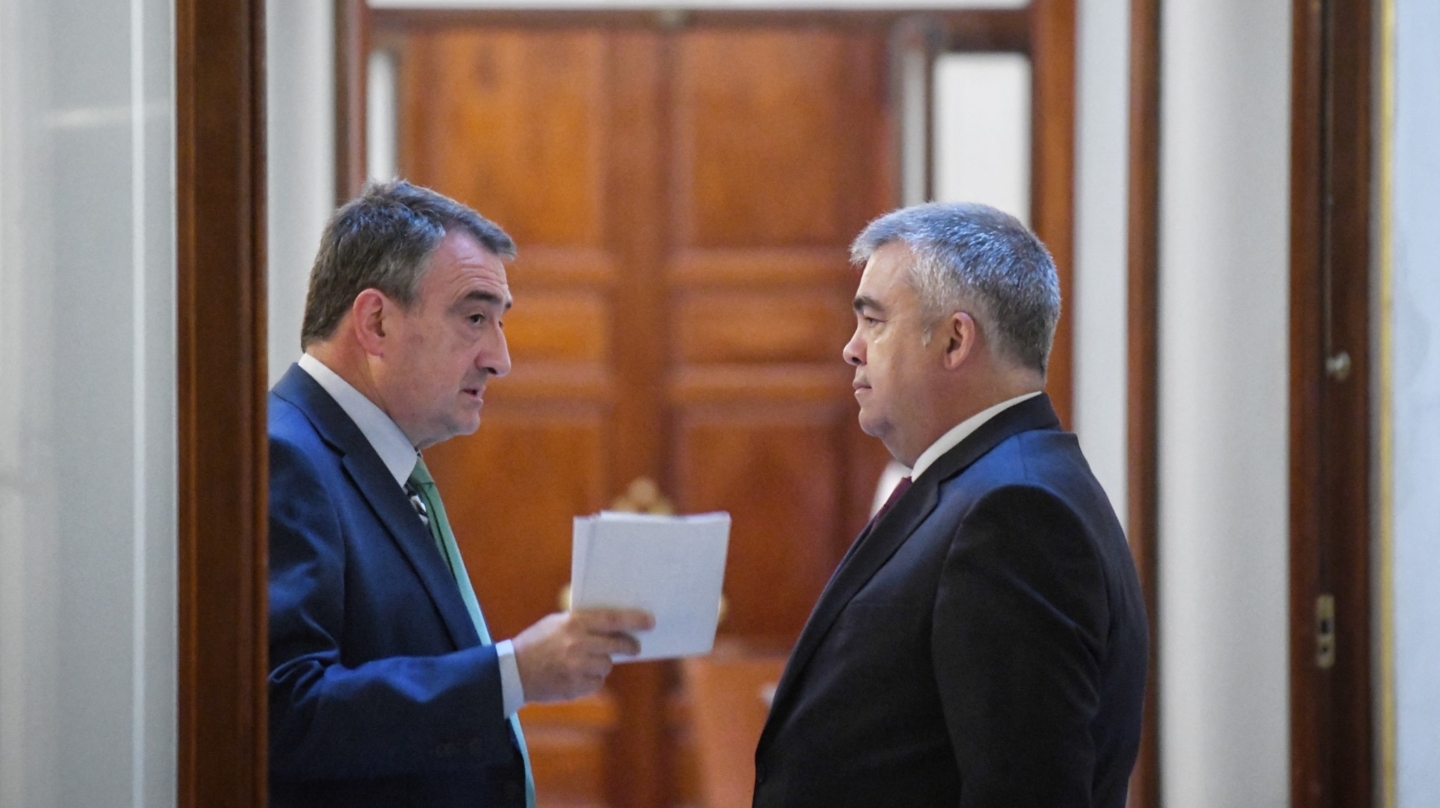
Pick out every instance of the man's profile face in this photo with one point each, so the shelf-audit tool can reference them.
(893, 365)
(443, 350)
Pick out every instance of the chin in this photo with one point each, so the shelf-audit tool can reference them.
(872, 426)
(465, 425)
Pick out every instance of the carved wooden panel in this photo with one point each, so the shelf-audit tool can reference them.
(778, 470)
(559, 326)
(729, 701)
(761, 266)
(471, 127)
(567, 743)
(746, 325)
(764, 127)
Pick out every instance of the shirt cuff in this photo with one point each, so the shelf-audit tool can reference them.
(511, 691)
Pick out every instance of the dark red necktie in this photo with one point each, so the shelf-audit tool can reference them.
(900, 489)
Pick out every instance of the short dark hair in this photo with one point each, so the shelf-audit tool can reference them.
(382, 239)
(973, 256)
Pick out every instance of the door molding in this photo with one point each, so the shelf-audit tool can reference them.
(220, 318)
(352, 49)
(1052, 54)
(1331, 728)
(1142, 521)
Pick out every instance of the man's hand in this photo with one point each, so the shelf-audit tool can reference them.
(567, 655)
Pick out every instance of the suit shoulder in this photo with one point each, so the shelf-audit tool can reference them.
(1038, 483)
(291, 427)
(284, 417)
(306, 481)
(296, 447)
(1038, 477)
(1037, 458)
(1023, 502)
(1048, 460)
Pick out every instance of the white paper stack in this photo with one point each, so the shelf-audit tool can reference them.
(670, 566)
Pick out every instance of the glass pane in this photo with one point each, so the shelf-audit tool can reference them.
(380, 121)
(981, 128)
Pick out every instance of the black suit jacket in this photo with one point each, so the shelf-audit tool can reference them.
(982, 644)
(380, 691)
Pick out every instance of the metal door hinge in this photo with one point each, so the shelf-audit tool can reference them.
(1325, 632)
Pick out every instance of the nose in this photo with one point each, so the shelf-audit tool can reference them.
(854, 351)
(495, 358)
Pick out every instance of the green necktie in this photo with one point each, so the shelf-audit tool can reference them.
(424, 485)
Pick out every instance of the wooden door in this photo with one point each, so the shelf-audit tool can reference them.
(683, 201)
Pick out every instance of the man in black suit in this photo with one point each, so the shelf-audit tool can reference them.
(983, 643)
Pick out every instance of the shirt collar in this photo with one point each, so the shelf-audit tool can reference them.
(960, 432)
(384, 435)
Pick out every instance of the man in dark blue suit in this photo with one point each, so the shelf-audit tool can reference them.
(386, 688)
(983, 643)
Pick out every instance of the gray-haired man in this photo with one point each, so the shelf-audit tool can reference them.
(983, 643)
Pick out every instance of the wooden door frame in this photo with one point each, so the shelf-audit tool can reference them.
(1331, 712)
(1052, 43)
(1142, 362)
(220, 318)
(352, 50)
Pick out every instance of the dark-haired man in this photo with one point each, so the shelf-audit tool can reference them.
(983, 643)
(386, 688)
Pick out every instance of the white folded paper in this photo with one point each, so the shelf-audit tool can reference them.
(670, 566)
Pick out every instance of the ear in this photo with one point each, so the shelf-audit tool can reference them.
(959, 333)
(368, 317)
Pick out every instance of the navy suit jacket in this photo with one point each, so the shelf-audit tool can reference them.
(380, 691)
(983, 644)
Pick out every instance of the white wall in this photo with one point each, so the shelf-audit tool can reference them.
(300, 103)
(1224, 153)
(1101, 176)
(1415, 364)
(87, 404)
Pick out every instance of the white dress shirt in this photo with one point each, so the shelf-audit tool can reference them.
(400, 456)
(960, 432)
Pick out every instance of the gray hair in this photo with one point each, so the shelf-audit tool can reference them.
(382, 240)
(973, 257)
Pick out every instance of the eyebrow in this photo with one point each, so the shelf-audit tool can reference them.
(485, 297)
(862, 302)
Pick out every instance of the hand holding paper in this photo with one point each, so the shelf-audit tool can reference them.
(669, 566)
(565, 656)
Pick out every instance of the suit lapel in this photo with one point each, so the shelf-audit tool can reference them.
(387, 500)
(884, 537)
